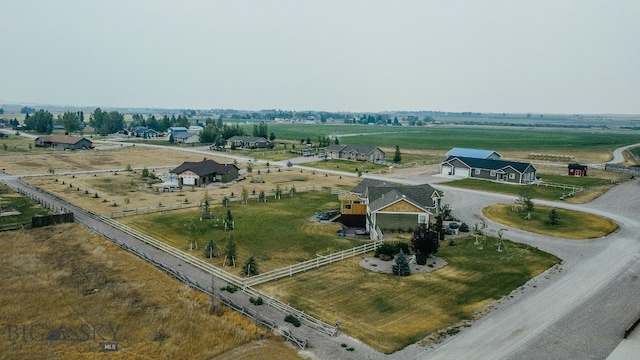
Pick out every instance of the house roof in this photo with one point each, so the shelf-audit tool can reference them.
(177, 129)
(419, 195)
(489, 164)
(248, 139)
(577, 166)
(383, 193)
(61, 139)
(183, 135)
(360, 149)
(472, 153)
(204, 167)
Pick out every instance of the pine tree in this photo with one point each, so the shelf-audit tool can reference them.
(554, 218)
(211, 250)
(250, 268)
(397, 158)
(401, 266)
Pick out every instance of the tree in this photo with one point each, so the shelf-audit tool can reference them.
(401, 266)
(211, 250)
(250, 268)
(554, 218)
(525, 199)
(228, 221)
(192, 233)
(438, 226)
(171, 138)
(230, 252)
(71, 121)
(205, 210)
(27, 110)
(41, 121)
(244, 196)
(425, 242)
(397, 158)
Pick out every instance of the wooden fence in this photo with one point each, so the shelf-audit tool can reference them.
(47, 220)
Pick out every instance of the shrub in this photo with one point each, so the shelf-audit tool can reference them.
(391, 249)
(454, 225)
(464, 227)
(256, 301)
(229, 288)
(292, 320)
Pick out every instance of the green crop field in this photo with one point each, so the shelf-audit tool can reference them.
(444, 138)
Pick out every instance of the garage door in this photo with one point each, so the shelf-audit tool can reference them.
(446, 170)
(461, 172)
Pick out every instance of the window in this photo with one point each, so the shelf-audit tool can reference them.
(422, 219)
(493, 173)
(477, 171)
(512, 176)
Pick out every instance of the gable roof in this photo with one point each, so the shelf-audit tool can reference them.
(204, 167)
(489, 164)
(183, 135)
(383, 193)
(472, 153)
(360, 149)
(577, 166)
(247, 139)
(61, 139)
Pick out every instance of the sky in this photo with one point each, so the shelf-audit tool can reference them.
(539, 56)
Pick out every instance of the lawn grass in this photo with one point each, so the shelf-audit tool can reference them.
(277, 233)
(26, 207)
(402, 310)
(537, 192)
(573, 224)
(584, 181)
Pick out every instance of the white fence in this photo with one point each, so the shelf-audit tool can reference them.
(311, 264)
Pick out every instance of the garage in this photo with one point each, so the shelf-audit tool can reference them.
(446, 170)
(461, 172)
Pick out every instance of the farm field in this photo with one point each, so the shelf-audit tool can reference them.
(67, 279)
(403, 310)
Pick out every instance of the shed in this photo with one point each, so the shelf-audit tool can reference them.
(577, 170)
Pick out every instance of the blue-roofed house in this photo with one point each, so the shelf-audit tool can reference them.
(489, 169)
(474, 153)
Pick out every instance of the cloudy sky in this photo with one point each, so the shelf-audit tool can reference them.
(543, 56)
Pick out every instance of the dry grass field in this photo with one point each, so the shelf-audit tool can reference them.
(128, 190)
(88, 290)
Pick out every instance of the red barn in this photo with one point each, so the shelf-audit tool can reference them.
(577, 170)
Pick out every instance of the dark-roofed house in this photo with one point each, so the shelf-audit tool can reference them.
(391, 206)
(249, 142)
(143, 132)
(474, 153)
(577, 170)
(487, 169)
(63, 142)
(354, 152)
(205, 172)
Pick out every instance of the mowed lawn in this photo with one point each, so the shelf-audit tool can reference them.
(277, 233)
(389, 312)
(572, 224)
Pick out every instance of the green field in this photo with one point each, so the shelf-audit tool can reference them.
(402, 310)
(537, 192)
(9, 201)
(278, 233)
(444, 138)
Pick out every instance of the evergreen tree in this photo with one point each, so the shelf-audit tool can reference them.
(228, 221)
(205, 210)
(211, 250)
(554, 218)
(401, 266)
(230, 252)
(250, 268)
(397, 158)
